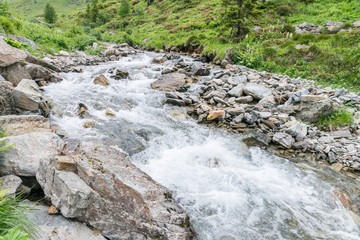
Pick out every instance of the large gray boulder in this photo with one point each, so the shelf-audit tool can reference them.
(108, 192)
(28, 150)
(257, 91)
(21, 124)
(313, 107)
(27, 95)
(169, 82)
(10, 55)
(7, 104)
(15, 73)
(38, 72)
(56, 227)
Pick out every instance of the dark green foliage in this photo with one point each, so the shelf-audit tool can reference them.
(50, 14)
(124, 8)
(236, 15)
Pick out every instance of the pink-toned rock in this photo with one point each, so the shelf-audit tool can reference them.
(216, 114)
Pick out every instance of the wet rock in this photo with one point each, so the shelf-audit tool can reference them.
(101, 80)
(27, 95)
(10, 184)
(7, 104)
(171, 95)
(261, 137)
(159, 60)
(28, 150)
(110, 113)
(343, 197)
(10, 55)
(121, 74)
(284, 139)
(88, 124)
(257, 91)
(176, 102)
(169, 82)
(215, 114)
(15, 73)
(17, 125)
(82, 110)
(121, 201)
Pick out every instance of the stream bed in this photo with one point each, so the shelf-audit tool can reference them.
(229, 191)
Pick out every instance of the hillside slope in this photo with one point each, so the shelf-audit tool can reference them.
(328, 57)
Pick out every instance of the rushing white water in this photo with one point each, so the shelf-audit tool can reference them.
(227, 189)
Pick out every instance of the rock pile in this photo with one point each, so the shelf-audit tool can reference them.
(329, 26)
(22, 75)
(276, 110)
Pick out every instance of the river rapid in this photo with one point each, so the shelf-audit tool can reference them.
(229, 191)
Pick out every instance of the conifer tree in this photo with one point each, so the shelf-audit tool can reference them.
(124, 9)
(50, 14)
(237, 14)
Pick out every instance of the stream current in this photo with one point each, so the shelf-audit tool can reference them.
(228, 190)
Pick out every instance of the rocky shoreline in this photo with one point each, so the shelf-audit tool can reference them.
(276, 111)
(85, 180)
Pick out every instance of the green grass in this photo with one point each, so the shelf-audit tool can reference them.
(340, 118)
(330, 59)
(35, 8)
(14, 225)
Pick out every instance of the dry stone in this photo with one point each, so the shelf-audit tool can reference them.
(111, 194)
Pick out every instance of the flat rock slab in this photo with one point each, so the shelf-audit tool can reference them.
(169, 82)
(20, 124)
(56, 227)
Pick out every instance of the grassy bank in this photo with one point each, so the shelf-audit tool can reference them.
(331, 59)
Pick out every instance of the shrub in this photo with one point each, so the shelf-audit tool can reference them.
(284, 10)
